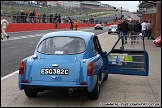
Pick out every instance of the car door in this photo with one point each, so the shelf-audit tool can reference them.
(128, 59)
(103, 55)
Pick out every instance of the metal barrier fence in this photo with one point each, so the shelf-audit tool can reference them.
(41, 19)
(11, 10)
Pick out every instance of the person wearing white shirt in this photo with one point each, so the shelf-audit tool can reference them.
(144, 25)
(4, 24)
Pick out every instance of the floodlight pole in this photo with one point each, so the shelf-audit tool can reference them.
(121, 12)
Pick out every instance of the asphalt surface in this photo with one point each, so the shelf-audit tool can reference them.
(117, 91)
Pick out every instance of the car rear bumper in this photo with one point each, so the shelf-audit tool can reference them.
(52, 84)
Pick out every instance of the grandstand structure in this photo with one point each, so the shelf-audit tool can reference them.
(86, 4)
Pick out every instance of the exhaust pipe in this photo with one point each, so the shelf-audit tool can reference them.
(70, 90)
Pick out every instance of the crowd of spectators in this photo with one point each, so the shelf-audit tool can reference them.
(33, 17)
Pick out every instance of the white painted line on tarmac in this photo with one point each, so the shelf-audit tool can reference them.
(34, 30)
(9, 75)
(20, 37)
(102, 33)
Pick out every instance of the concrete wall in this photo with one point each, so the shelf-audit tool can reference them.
(17, 27)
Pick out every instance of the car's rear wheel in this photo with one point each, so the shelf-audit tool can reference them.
(30, 92)
(96, 91)
(106, 76)
(108, 32)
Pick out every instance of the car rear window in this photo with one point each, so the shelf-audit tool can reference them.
(62, 45)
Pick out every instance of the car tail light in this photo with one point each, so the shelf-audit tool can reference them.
(89, 72)
(24, 81)
(21, 68)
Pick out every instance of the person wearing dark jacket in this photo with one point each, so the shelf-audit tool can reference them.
(31, 16)
(59, 18)
(119, 29)
(51, 16)
(71, 23)
(138, 29)
(22, 15)
(124, 31)
(44, 18)
(132, 31)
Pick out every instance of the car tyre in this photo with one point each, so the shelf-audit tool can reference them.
(30, 92)
(108, 32)
(96, 91)
(106, 76)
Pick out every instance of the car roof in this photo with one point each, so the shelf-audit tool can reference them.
(80, 34)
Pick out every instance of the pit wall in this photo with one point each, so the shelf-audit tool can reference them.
(18, 27)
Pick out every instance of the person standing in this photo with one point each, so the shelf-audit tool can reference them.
(51, 16)
(4, 24)
(55, 17)
(129, 21)
(35, 16)
(25, 15)
(119, 29)
(71, 23)
(22, 15)
(132, 31)
(143, 29)
(76, 25)
(59, 18)
(138, 28)
(56, 23)
(31, 16)
(14, 18)
(44, 17)
(148, 28)
(124, 31)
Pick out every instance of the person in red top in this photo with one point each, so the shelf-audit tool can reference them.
(35, 16)
(76, 25)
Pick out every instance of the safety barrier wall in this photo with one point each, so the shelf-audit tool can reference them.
(17, 27)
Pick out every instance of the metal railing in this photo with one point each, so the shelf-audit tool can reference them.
(41, 19)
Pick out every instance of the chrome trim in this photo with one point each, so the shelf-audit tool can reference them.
(54, 77)
(54, 65)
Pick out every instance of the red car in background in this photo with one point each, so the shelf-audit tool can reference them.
(157, 41)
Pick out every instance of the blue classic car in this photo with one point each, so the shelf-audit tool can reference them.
(72, 59)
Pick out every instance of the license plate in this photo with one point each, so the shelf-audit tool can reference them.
(54, 71)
